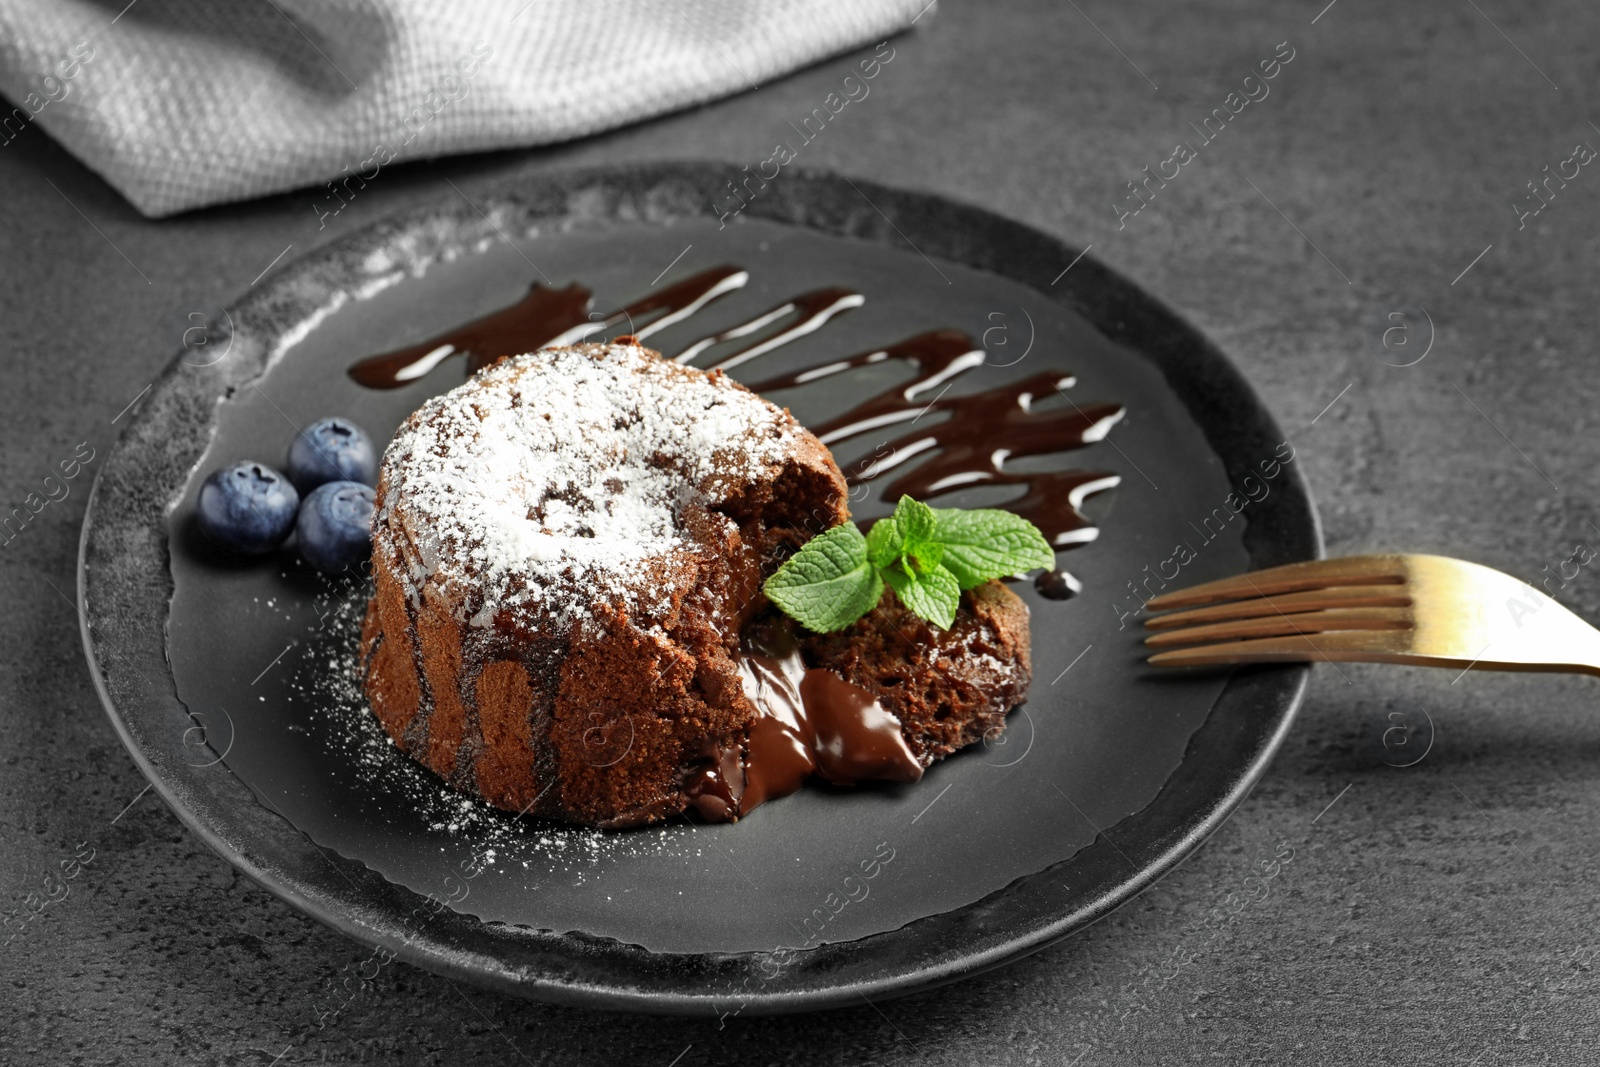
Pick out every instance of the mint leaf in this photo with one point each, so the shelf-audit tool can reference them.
(916, 522)
(932, 593)
(926, 555)
(986, 543)
(923, 556)
(829, 583)
(884, 543)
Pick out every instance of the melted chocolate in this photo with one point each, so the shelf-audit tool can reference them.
(808, 722)
(779, 753)
(854, 738)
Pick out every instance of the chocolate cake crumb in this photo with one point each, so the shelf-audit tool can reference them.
(949, 688)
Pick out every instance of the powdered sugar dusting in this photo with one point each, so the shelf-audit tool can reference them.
(552, 477)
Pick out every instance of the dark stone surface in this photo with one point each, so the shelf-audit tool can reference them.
(1433, 914)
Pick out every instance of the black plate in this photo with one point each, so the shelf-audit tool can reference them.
(1103, 784)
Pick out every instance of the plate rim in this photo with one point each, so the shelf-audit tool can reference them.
(583, 970)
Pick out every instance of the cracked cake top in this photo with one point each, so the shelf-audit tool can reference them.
(552, 479)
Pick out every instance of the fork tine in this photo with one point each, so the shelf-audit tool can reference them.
(1308, 622)
(1290, 578)
(1373, 646)
(1285, 603)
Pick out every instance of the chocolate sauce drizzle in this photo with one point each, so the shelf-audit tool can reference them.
(543, 318)
(966, 440)
(983, 431)
(814, 310)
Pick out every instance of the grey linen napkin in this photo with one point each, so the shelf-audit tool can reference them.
(183, 103)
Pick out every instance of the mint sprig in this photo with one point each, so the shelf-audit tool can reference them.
(926, 555)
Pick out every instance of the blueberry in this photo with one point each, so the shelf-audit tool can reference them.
(248, 507)
(335, 526)
(332, 450)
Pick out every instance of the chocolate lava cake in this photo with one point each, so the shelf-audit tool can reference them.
(568, 552)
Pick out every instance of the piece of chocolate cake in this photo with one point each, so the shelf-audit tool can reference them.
(567, 550)
(949, 688)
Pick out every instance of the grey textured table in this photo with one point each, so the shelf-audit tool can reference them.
(1440, 913)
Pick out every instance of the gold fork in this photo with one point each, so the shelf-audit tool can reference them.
(1429, 611)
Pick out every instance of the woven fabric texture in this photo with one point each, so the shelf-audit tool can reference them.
(183, 103)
